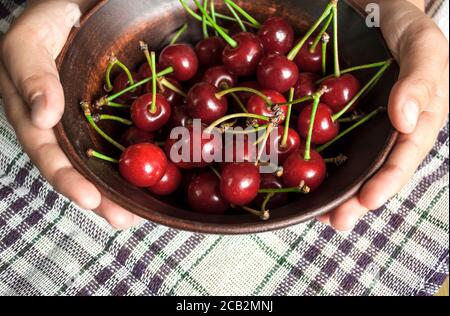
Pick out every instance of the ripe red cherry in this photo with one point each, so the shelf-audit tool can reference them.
(204, 195)
(144, 71)
(169, 183)
(143, 165)
(306, 85)
(209, 51)
(171, 96)
(241, 150)
(183, 60)
(243, 60)
(271, 181)
(180, 117)
(135, 136)
(297, 170)
(308, 61)
(203, 103)
(240, 183)
(220, 77)
(293, 144)
(257, 105)
(324, 129)
(276, 72)
(121, 82)
(245, 96)
(340, 91)
(144, 119)
(276, 35)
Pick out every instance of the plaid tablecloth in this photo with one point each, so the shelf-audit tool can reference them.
(48, 246)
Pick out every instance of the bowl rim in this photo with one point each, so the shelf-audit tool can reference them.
(217, 228)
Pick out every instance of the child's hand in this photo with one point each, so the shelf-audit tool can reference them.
(34, 101)
(418, 105)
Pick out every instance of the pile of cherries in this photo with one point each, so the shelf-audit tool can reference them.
(250, 74)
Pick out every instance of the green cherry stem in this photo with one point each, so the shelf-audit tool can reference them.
(288, 120)
(106, 117)
(319, 36)
(262, 142)
(363, 91)
(296, 101)
(350, 129)
(352, 118)
(91, 153)
(179, 33)
(262, 215)
(204, 24)
(118, 105)
(239, 102)
(166, 83)
(229, 18)
(244, 13)
(216, 172)
(245, 89)
(316, 97)
(294, 52)
(214, 14)
(153, 107)
(337, 67)
(247, 131)
(218, 28)
(236, 16)
(300, 189)
(116, 62)
(338, 161)
(325, 41)
(355, 68)
(266, 201)
(87, 113)
(236, 116)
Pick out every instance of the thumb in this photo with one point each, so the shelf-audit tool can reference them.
(421, 69)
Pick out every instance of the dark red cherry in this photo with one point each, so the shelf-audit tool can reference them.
(169, 183)
(324, 129)
(276, 35)
(257, 105)
(308, 61)
(143, 165)
(204, 195)
(183, 60)
(292, 144)
(171, 96)
(240, 149)
(243, 60)
(179, 117)
(142, 116)
(306, 85)
(245, 96)
(340, 91)
(297, 170)
(240, 183)
(203, 103)
(144, 71)
(209, 51)
(189, 175)
(121, 82)
(135, 136)
(220, 77)
(276, 72)
(271, 181)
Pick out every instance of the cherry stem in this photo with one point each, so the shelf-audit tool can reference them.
(115, 62)
(236, 16)
(294, 52)
(317, 97)
(248, 131)
(356, 68)
(364, 90)
(297, 101)
(118, 105)
(338, 161)
(87, 113)
(263, 142)
(166, 83)
(106, 117)
(351, 119)
(337, 67)
(245, 89)
(91, 153)
(214, 14)
(244, 14)
(325, 41)
(350, 129)
(235, 116)
(204, 25)
(239, 102)
(262, 215)
(300, 189)
(153, 108)
(319, 36)
(216, 172)
(288, 120)
(266, 201)
(179, 33)
(229, 18)
(218, 28)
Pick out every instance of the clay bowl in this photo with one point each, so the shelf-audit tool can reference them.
(117, 26)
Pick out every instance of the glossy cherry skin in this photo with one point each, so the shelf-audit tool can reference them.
(308, 61)
(209, 51)
(171, 96)
(306, 85)
(276, 35)
(293, 144)
(324, 129)
(143, 165)
(135, 136)
(297, 169)
(121, 82)
(240, 183)
(245, 96)
(144, 71)
(243, 60)
(203, 103)
(271, 181)
(340, 91)
(220, 77)
(169, 183)
(182, 58)
(144, 119)
(241, 150)
(179, 117)
(204, 195)
(257, 105)
(276, 72)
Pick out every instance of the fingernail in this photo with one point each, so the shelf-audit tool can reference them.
(37, 110)
(411, 112)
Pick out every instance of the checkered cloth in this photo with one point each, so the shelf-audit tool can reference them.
(48, 246)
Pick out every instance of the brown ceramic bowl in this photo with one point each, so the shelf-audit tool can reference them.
(117, 26)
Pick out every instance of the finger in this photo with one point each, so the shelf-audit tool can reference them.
(345, 217)
(420, 73)
(116, 216)
(324, 219)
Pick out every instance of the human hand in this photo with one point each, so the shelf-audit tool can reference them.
(34, 100)
(418, 105)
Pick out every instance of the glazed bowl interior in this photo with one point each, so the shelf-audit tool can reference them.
(117, 26)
